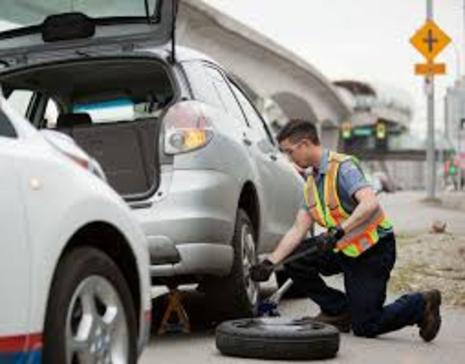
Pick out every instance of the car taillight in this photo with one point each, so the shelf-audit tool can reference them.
(187, 127)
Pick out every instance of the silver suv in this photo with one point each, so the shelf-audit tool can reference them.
(175, 134)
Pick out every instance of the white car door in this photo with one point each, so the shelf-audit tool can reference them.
(15, 253)
(283, 184)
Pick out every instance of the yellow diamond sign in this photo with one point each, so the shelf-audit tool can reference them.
(430, 40)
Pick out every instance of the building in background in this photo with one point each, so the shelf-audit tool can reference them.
(378, 133)
(380, 115)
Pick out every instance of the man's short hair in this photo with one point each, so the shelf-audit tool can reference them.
(297, 130)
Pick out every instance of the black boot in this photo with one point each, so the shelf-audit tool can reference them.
(431, 321)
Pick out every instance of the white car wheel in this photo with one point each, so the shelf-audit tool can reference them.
(90, 314)
(96, 325)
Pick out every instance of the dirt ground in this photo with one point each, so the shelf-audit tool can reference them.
(431, 261)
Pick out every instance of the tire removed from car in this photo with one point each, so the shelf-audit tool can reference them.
(278, 338)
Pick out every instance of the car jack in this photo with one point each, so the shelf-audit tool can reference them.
(175, 308)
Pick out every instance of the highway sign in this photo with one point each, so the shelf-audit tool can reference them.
(430, 40)
(430, 69)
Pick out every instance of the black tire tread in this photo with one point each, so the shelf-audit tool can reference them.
(276, 344)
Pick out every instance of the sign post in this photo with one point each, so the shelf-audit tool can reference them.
(430, 40)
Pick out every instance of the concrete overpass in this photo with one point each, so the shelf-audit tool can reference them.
(266, 69)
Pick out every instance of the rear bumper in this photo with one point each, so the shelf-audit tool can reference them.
(192, 206)
(198, 258)
(189, 229)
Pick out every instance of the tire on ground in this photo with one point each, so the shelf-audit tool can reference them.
(277, 338)
(74, 268)
(228, 295)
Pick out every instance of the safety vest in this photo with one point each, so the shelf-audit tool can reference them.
(330, 213)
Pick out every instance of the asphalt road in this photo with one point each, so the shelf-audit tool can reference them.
(410, 216)
(403, 346)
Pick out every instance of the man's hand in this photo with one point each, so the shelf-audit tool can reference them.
(327, 241)
(261, 272)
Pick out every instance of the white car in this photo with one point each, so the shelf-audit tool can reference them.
(74, 278)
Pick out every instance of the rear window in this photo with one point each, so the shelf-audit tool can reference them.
(118, 110)
(15, 14)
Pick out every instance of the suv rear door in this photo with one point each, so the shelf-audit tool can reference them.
(35, 28)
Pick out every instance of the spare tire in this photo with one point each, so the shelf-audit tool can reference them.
(277, 338)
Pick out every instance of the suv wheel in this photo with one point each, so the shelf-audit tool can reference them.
(90, 315)
(236, 295)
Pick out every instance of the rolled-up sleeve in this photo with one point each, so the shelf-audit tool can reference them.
(351, 178)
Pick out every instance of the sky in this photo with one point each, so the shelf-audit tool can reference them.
(365, 40)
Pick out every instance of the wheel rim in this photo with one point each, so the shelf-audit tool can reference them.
(96, 325)
(248, 259)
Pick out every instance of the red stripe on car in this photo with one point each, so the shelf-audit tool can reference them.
(19, 343)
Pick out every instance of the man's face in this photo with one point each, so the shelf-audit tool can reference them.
(298, 152)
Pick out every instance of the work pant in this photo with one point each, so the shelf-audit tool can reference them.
(365, 280)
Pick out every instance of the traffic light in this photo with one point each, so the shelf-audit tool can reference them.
(346, 129)
(453, 165)
(381, 130)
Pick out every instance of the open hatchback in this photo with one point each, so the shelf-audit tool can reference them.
(83, 70)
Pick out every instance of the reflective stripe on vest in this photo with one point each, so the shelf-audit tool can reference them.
(332, 213)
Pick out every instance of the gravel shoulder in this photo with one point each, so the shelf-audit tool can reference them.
(431, 261)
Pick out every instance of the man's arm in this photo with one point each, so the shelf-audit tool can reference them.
(367, 204)
(293, 237)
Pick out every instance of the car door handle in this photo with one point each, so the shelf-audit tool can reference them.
(273, 157)
(247, 141)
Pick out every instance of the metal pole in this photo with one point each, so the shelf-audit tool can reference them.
(430, 152)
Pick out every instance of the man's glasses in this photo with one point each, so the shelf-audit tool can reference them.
(290, 151)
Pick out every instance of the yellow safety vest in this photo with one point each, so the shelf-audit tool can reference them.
(332, 213)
